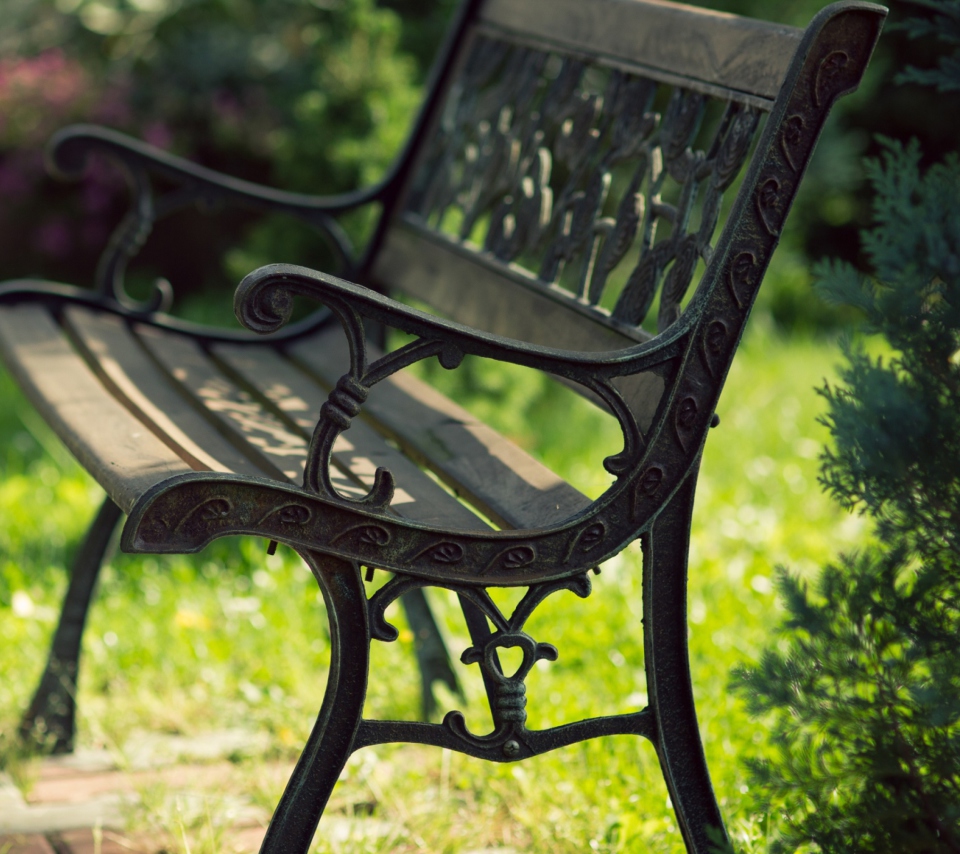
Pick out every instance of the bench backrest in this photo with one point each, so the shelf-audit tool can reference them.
(572, 173)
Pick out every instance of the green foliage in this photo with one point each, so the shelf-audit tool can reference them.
(311, 96)
(862, 692)
(896, 424)
(863, 698)
(944, 24)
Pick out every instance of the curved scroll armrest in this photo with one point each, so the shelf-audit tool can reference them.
(263, 303)
(69, 150)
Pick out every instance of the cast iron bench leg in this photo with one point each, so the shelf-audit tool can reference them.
(331, 741)
(49, 722)
(665, 551)
(433, 660)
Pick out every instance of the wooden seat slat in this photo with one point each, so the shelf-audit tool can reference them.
(236, 415)
(134, 378)
(252, 428)
(119, 451)
(358, 452)
(477, 463)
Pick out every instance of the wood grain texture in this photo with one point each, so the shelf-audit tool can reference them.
(480, 292)
(359, 451)
(239, 418)
(479, 464)
(719, 49)
(243, 420)
(465, 285)
(133, 377)
(120, 452)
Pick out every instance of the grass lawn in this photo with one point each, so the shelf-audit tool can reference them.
(234, 638)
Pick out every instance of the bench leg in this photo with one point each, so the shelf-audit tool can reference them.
(433, 660)
(331, 741)
(49, 721)
(670, 692)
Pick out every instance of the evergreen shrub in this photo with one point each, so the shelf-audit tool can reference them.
(862, 690)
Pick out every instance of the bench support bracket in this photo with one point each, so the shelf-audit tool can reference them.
(50, 720)
(678, 741)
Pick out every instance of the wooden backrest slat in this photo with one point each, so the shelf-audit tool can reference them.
(698, 44)
(490, 296)
(360, 451)
(123, 456)
(134, 378)
(480, 465)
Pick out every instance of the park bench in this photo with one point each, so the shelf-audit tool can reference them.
(568, 171)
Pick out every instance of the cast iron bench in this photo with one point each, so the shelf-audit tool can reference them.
(566, 173)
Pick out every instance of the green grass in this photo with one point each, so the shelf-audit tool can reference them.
(236, 638)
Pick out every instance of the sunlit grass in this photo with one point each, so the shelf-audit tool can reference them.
(237, 638)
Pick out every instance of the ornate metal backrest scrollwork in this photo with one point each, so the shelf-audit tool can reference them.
(575, 172)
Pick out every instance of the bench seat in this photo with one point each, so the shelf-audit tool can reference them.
(138, 404)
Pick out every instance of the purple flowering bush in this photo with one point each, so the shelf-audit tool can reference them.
(47, 228)
(310, 96)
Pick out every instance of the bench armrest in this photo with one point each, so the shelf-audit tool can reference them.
(69, 150)
(263, 303)
(68, 155)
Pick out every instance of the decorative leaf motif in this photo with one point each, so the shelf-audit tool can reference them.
(447, 553)
(374, 535)
(634, 122)
(294, 514)
(650, 481)
(216, 508)
(685, 419)
(680, 125)
(677, 282)
(519, 557)
(791, 140)
(714, 342)
(618, 242)
(768, 205)
(592, 536)
(830, 70)
(369, 535)
(742, 277)
(647, 486)
(641, 287)
(735, 147)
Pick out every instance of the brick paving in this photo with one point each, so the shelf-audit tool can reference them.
(84, 803)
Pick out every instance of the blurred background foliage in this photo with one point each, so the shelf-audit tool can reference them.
(316, 96)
